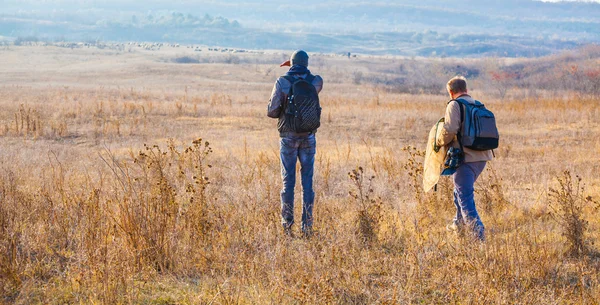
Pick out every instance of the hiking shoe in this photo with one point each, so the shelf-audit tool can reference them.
(452, 227)
(458, 229)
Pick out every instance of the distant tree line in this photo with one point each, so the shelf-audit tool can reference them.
(172, 20)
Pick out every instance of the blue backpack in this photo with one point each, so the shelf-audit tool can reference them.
(478, 130)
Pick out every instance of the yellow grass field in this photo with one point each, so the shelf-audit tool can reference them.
(108, 197)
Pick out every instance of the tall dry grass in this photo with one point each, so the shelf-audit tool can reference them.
(123, 203)
(148, 226)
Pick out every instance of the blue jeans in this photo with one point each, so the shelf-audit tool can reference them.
(464, 198)
(294, 148)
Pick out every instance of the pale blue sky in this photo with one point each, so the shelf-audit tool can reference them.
(598, 1)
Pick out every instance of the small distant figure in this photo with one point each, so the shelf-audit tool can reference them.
(348, 54)
(467, 153)
(295, 102)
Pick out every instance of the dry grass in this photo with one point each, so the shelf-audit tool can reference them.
(89, 214)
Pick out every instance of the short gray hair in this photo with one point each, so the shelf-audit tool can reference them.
(457, 84)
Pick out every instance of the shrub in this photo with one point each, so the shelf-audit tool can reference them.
(369, 213)
(568, 205)
(186, 60)
(164, 210)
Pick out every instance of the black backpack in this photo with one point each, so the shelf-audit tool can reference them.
(302, 109)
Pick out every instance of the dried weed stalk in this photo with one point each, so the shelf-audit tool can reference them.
(370, 214)
(568, 205)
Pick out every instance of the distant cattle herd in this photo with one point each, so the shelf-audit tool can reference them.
(122, 46)
(133, 45)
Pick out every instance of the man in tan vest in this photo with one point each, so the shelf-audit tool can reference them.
(473, 164)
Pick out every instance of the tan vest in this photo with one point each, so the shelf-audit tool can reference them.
(452, 123)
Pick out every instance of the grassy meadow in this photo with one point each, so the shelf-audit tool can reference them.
(127, 178)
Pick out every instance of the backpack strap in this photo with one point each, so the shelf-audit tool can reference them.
(289, 78)
(461, 105)
(309, 78)
(292, 80)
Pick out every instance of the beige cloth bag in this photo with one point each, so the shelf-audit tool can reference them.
(434, 161)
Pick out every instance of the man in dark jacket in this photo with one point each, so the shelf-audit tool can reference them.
(295, 145)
